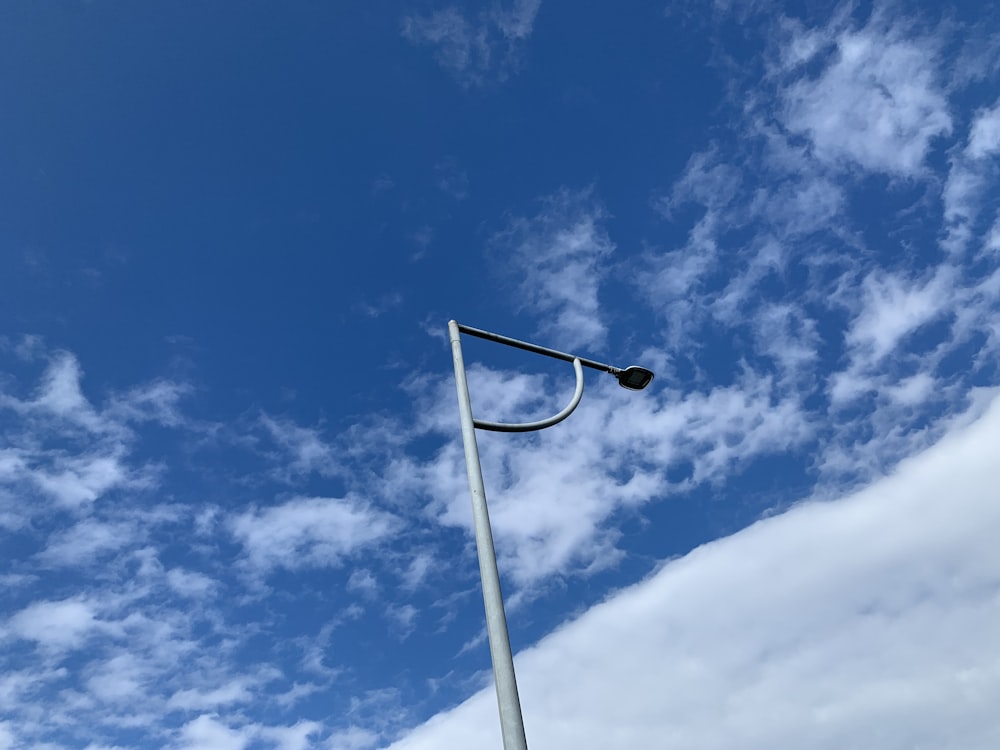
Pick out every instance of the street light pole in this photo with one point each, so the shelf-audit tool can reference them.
(511, 723)
(634, 378)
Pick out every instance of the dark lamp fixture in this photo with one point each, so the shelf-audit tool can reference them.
(634, 378)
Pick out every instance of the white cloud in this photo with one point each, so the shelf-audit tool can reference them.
(309, 532)
(992, 242)
(912, 390)
(190, 583)
(971, 174)
(80, 480)
(362, 581)
(461, 47)
(381, 305)
(882, 366)
(475, 49)
(11, 463)
(419, 568)
(893, 308)
(747, 237)
(707, 180)
(208, 733)
(867, 621)
(352, 738)
(60, 393)
(879, 103)
(83, 543)
(304, 448)
(8, 740)
(788, 335)
(121, 679)
(60, 398)
(156, 402)
(403, 618)
(897, 373)
(68, 450)
(235, 691)
(296, 737)
(799, 207)
(557, 257)
(585, 464)
(714, 431)
(57, 625)
(672, 280)
(779, 276)
(984, 135)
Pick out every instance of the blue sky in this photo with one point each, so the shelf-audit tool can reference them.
(233, 506)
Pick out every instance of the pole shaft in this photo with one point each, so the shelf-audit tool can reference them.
(511, 722)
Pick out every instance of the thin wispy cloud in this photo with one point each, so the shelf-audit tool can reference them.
(892, 317)
(302, 450)
(558, 257)
(475, 47)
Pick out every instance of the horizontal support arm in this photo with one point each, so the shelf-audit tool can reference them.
(593, 364)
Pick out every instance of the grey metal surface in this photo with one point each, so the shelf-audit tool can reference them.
(542, 423)
(517, 344)
(511, 722)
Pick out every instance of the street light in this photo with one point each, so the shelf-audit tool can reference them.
(633, 378)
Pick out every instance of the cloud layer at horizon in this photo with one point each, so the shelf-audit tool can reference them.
(864, 621)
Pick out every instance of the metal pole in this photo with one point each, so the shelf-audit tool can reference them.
(529, 347)
(511, 723)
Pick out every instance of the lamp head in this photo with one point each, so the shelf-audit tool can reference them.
(634, 378)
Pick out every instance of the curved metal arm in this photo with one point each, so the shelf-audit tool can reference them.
(543, 423)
